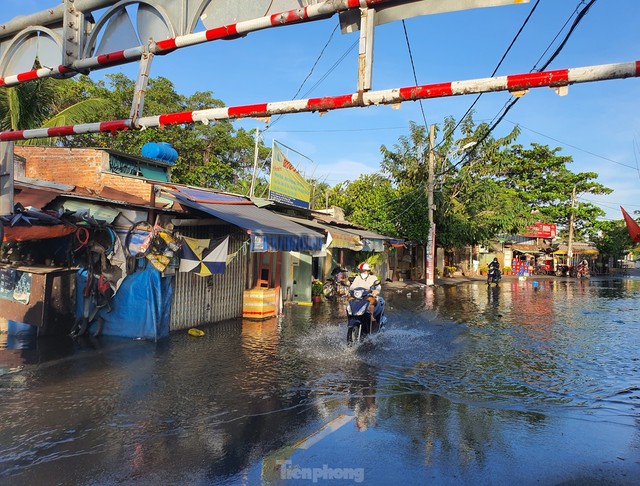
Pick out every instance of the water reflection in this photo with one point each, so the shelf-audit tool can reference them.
(467, 382)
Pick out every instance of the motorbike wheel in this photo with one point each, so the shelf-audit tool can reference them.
(353, 335)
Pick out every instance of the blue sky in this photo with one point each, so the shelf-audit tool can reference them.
(598, 124)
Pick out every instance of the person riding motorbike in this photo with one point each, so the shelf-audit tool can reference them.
(365, 280)
(495, 267)
(494, 264)
(583, 268)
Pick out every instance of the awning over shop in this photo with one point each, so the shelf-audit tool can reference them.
(340, 239)
(532, 249)
(579, 248)
(268, 231)
(336, 238)
(371, 241)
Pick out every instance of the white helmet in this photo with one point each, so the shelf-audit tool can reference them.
(364, 267)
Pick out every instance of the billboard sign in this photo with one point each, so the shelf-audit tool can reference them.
(287, 186)
(541, 230)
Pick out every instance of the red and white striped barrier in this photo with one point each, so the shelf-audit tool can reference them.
(513, 83)
(304, 14)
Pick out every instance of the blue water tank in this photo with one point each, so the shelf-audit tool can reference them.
(160, 151)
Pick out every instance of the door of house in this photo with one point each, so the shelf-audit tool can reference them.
(302, 277)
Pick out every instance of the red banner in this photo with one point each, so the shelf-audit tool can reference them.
(541, 230)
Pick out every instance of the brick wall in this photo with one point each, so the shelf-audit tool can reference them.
(130, 185)
(79, 167)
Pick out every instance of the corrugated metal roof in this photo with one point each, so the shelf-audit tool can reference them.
(579, 247)
(32, 196)
(268, 231)
(339, 238)
(371, 241)
(527, 248)
(38, 193)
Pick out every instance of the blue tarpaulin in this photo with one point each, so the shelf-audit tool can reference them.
(140, 309)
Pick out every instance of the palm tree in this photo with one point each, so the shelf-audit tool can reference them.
(36, 105)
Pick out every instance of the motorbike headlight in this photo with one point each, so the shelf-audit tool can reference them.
(358, 293)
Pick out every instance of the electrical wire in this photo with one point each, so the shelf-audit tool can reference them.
(313, 67)
(413, 68)
(617, 204)
(333, 68)
(526, 21)
(577, 148)
(507, 107)
(317, 61)
(335, 65)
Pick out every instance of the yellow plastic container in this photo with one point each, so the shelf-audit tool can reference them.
(259, 303)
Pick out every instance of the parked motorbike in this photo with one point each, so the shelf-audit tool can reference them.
(337, 285)
(493, 276)
(365, 314)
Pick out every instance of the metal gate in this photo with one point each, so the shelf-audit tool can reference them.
(200, 300)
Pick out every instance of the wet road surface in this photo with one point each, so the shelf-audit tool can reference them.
(533, 382)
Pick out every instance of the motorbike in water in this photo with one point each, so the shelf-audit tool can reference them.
(583, 271)
(337, 285)
(493, 276)
(365, 314)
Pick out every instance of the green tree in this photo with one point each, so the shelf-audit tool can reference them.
(210, 155)
(368, 201)
(319, 193)
(471, 207)
(42, 104)
(612, 239)
(542, 179)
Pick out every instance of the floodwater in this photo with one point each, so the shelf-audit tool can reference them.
(533, 382)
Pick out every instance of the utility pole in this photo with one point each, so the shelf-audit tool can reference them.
(431, 235)
(571, 216)
(255, 164)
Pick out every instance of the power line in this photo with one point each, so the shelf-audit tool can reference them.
(618, 204)
(575, 147)
(510, 104)
(413, 68)
(526, 21)
(324, 48)
(317, 61)
(578, 19)
(331, 69)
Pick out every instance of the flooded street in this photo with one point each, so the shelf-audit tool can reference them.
(534, 382)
